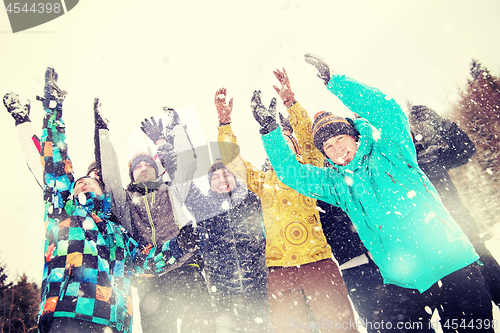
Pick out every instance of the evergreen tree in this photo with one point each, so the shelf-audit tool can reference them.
(478, 114)
(19, 304)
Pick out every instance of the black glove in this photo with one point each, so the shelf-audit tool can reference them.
(152, 130)
(99, 121)
(321, 66)
(265, 117)
(188, 239)
(19, 112)
(51, 91)
(168, 157)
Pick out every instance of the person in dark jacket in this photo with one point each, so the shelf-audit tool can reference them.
(89, 260)
(234, 257)
(442, 146)
(151, 209)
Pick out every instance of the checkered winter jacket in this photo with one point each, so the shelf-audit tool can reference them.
(88, 260)
(294, 235)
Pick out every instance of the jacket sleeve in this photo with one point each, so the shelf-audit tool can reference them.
(460, 147)
(186, 164)
(151, 259)
(30, 145)
(309, 180)
(229, 150)
(380, 110)
(112, 180)
(302, 126)
(57, 167)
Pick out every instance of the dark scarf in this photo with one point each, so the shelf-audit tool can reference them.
(145, 188)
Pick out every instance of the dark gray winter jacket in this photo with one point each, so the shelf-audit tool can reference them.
(235, 248)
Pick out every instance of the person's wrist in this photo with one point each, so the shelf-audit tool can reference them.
(289, 102)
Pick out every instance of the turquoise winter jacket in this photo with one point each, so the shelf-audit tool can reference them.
(395, 208)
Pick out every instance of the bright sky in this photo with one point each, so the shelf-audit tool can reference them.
(138, 56)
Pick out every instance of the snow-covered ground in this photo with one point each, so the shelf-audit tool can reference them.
(493, 245)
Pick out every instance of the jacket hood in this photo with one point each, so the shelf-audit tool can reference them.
(368, 135)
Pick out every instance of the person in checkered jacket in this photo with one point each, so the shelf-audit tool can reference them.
(89, 260)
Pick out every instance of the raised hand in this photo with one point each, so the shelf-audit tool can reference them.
(224, 110)
(51, 91)
(173, 120)
(321, 66)
(153, 130)
(285, 92)
(19, 112)
(265, 117)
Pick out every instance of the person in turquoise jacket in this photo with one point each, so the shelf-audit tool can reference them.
(424, 257)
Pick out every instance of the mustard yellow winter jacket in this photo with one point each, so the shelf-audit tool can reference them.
(293, 230)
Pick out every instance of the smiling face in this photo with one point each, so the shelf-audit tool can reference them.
(341, 149)
(144, 172)
(222, 181)
(85, 185)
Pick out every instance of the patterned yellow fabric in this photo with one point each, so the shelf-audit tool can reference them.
(293, 230)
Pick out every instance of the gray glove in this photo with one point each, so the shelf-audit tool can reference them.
(321, 66)
(19, 112)
(265, 117)
(153, 130)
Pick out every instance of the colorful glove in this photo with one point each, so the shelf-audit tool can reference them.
(173, 121)
(51, 91)
(265, 117)
(153, 130)
(321, 66)
(19, 112)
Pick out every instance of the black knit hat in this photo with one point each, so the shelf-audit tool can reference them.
(326, 126)
(138, 158)
(214, 167)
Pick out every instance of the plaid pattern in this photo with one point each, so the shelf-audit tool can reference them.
(88, 260)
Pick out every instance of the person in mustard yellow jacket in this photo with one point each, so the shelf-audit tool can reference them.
(302, 277)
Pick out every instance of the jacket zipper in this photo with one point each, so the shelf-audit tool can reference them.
(153, 229)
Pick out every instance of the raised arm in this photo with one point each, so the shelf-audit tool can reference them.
(162, 258)
(380, 110)
(304, 178)
(106, 155)
(229, 150)
(57, 167)
(299, 120)
(460, 148)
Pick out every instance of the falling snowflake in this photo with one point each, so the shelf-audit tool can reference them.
(411, 194)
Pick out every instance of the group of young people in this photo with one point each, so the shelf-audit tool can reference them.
(256, 253)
